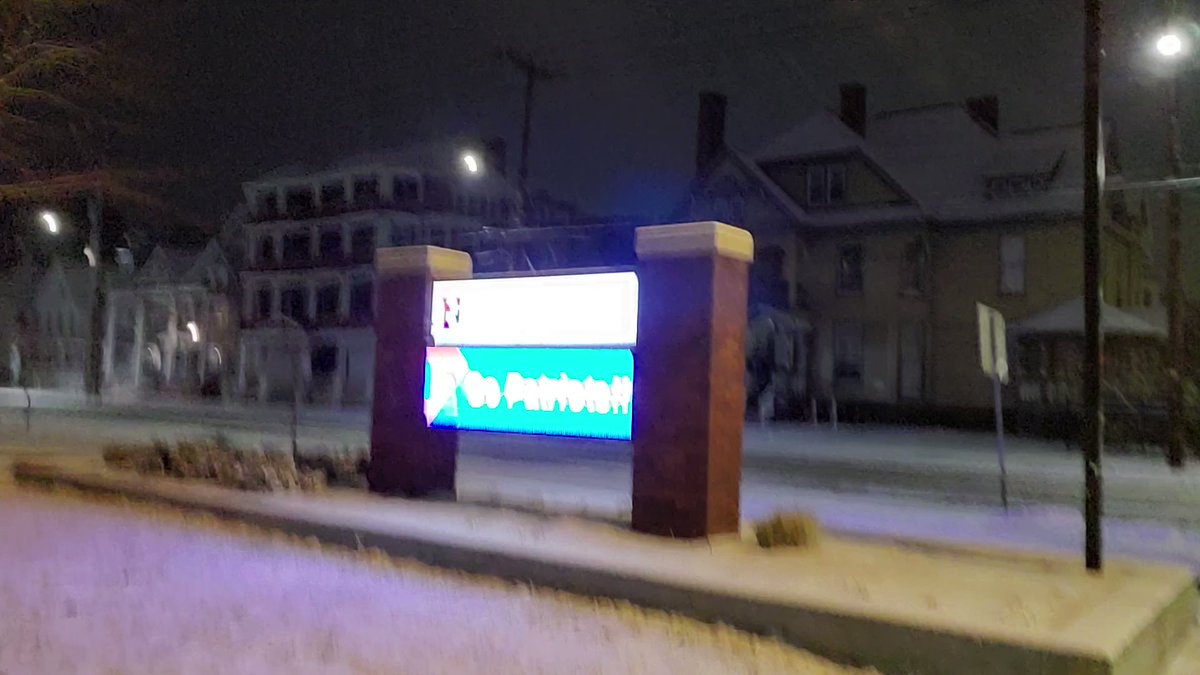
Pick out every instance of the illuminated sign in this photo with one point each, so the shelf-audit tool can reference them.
(584, 392)
(575, 310)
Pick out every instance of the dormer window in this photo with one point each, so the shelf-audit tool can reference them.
(826, 184)
(1001, 187)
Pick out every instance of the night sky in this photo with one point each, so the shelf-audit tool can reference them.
(271, 82)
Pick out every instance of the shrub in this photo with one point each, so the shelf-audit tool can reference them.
(788, 529)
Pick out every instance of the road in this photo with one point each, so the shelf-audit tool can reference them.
(935, 465)
(943, 482)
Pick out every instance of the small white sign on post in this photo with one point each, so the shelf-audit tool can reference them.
(993, 347)
(993, 358)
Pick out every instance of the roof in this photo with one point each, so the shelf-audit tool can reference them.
(940, 157)
(1067, 319)
(179, 266)
(439, 157)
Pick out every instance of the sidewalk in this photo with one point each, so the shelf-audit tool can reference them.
(896, 606)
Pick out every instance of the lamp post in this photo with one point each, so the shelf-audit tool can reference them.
(1170, 46)
(1093, 184)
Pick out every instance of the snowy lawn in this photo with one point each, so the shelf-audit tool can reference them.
(91, 587)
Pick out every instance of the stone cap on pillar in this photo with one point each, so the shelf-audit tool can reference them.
(689, 240)
(439, 263)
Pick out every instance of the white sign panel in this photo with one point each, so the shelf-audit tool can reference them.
(576, 310)
(993, 346)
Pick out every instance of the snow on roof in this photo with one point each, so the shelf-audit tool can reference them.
(941, 157)
(821, 133)
(1067, 319)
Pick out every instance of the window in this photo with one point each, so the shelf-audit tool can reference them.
(362, 243)
(848, 350)
(817, 185)
(836, 184)
(300, 202)
(262, 307)
(401, 235)
(361, 299)
(1012, 264)
(293, 303)
(826, 184)
(850, 269)
(297, 246)
(913, 267)
(328, 299)
(333, 195)
(268, 204)
(324, 359)
(266, 249)
(366, 191)
(406, 190)
(331, 244)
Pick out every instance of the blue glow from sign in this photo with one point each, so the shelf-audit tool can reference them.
(553, 391)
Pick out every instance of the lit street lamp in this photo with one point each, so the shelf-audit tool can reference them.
(194, 331)
(50, 219)
(1169, 44)
(471, 162)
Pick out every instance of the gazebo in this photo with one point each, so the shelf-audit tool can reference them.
(1048, 360)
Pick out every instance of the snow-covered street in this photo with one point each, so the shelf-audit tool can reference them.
(892, 482)
(89, 588)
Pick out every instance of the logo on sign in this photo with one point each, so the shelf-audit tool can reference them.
(451, 316)
(555, 391)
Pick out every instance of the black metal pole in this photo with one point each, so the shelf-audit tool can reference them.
(1177, 365)
(1093, 413)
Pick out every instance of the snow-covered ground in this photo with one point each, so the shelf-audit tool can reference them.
(103, 589)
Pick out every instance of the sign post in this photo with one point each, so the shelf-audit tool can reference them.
(993, 357)
(407, 457)
(690, 393)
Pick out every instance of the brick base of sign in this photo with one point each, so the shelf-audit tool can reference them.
(407, 457)
(689, 395)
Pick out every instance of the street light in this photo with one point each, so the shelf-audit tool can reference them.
(50, 219)
(1170, 47)
(1169, 44)
(194, 330)
(471, 162)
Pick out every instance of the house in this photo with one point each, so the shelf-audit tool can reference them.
(882, 231)
(58, 338)
(172, 324)
(308, 285)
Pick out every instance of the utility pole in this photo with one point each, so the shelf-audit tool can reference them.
(93, 369)
(1093, 179)
(1176, 349)
(534, 72)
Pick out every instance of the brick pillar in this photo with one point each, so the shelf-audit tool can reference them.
(407, 457)
(689, 392)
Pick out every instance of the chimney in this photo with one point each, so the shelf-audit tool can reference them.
(497, 154)
(854, 107)
(986, 111)
(710, 131)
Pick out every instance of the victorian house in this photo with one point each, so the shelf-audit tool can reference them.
(881, 232)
